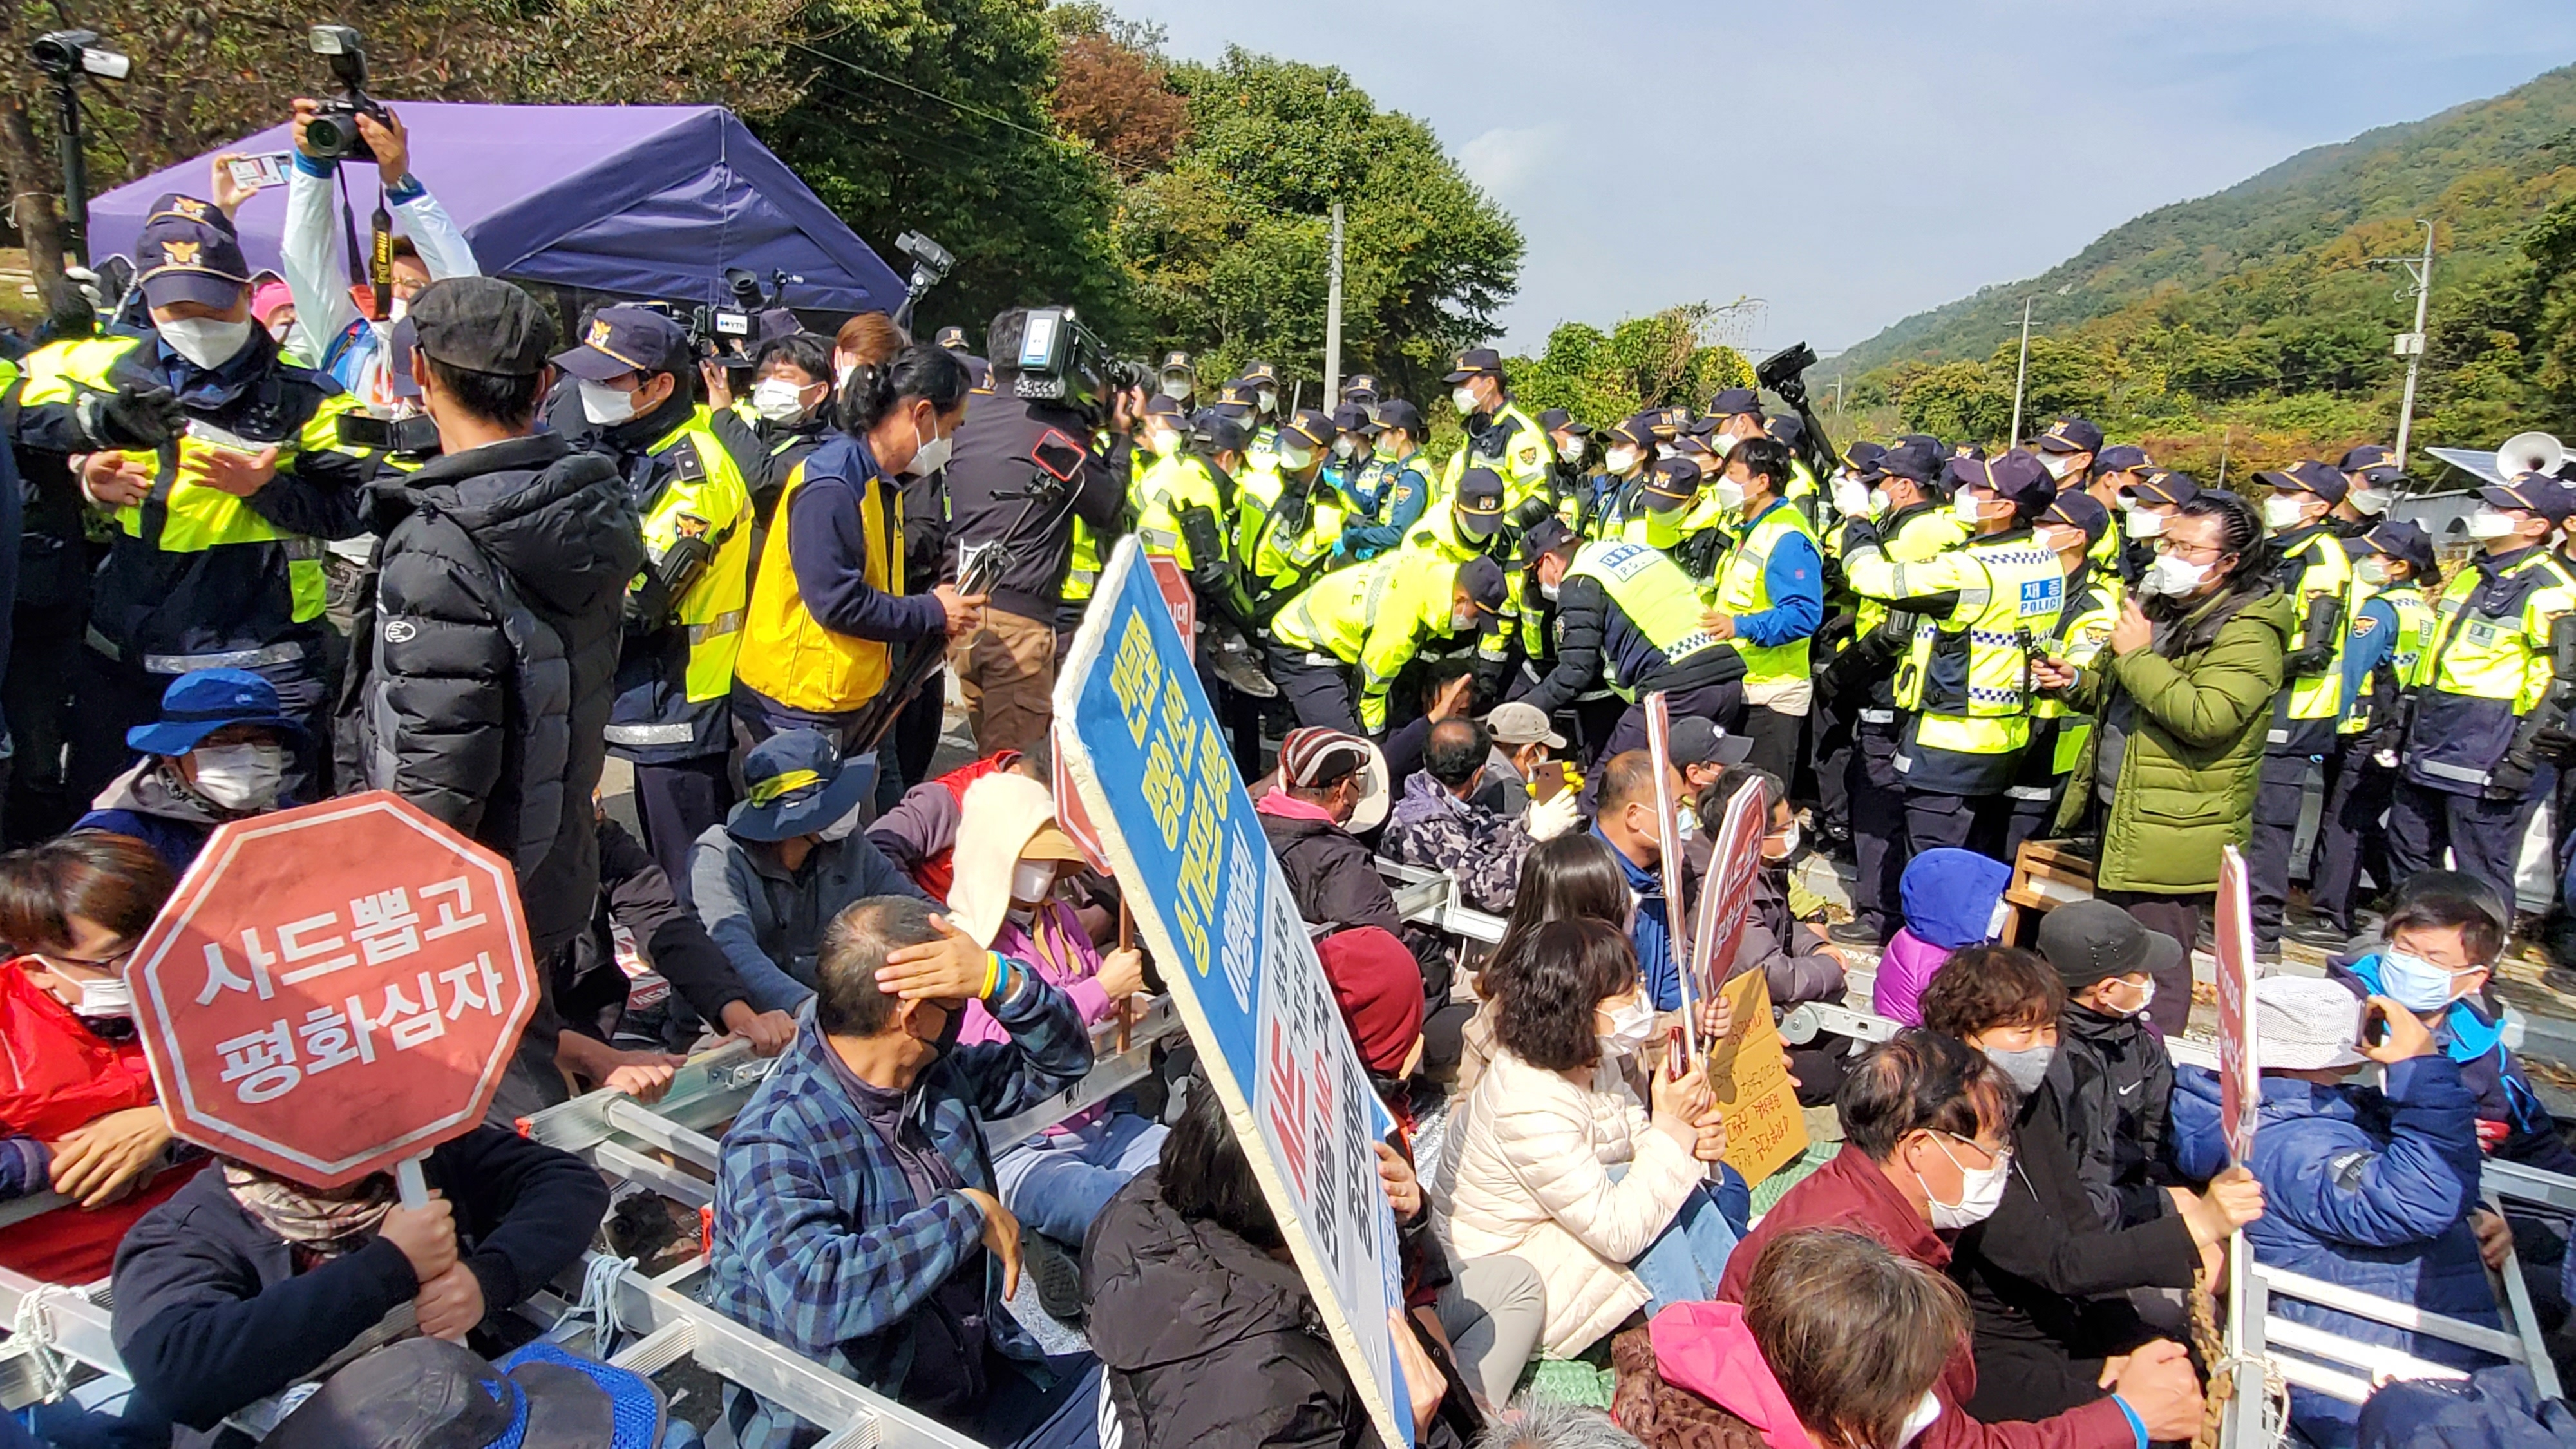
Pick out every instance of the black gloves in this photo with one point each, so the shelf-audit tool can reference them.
(142, 418)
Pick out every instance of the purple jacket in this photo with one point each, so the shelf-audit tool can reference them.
(1903, 971)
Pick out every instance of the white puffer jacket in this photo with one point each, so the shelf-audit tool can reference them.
(1526, 1171)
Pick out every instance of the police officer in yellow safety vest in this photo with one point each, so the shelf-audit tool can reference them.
(215, 554)
(1287, 517)
(1770, 600)
(1983, 611)
(2392, 621)
(2496, 682)
(2069, 529)
(2316, 573)
(1627, 615)
(1500, 434)
(1373, 617)
(828, 600)
(631, 400)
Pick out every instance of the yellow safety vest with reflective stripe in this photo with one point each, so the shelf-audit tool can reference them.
(1922, 537)
(786, 653)
(2488, 663)
(2328, 575)
(1968, 674)
(1659, 599)
(2083, 627)
(1523, 467)
(708, 500)
(1802, 480)
(1375, 615)
(58, 371)
(2105, 552)
(1082, 566)
(1176, 482)
(1743, 587)
(1280, 558)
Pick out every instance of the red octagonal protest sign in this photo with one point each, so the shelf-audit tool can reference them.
(334, 988)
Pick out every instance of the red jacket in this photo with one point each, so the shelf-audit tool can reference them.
(55, 1076)
(1853, 1192)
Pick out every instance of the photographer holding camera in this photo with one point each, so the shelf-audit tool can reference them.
(332, 308)
(1032, 435)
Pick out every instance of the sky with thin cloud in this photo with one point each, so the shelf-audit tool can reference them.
(1844, 163)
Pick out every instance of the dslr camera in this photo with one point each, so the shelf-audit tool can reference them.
(333, 133)
(1061, 361)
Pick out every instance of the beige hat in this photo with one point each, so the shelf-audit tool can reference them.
(1005, 818)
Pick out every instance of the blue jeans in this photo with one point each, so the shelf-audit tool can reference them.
(1685, 1261)
(1057, 1183)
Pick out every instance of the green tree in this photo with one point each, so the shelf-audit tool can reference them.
(1653, 361)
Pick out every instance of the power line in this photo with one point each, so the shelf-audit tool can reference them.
(959, 106)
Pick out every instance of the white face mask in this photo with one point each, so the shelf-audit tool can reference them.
(2146, 998)
(205, 341)
(2058, 464)
(1981, 1190)
(1968, 509)
(1730, 494)
(606, 406)
(1032, 880)
(2371, 502)
(1571, 450)
(104, 996)
(1293, 458)
(1547, 591)
(1463, 621)
(2059, 540)
(1268, 399)
(240, 777)
(1630, 1025)
(777, 400)
(1161, 441)
(1789, 840)
(1723, 443)
(2372, 570)
(1623, 459)
(1920, 1420)
(929, 457)
(1879, 502)
(1345, 445)
(2284, 511)
(1176, 388)
(1464, 400)
(2489, 522)
(2143, 524)
(1850, 499)
(841, 375)
(2172, 577)
(840, 829)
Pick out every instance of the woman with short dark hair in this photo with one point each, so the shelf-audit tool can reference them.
(1553, 1160)
(78, 1114)
(1571, 877)
(2047, 1282)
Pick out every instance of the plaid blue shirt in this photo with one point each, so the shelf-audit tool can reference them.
(820, 1243)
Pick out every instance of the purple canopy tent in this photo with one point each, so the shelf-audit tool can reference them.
(641, 201)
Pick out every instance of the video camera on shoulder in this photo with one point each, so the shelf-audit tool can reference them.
(726, 334)
(332, 134)
(1059, 360)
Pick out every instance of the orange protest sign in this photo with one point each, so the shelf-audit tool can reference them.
(1748, 1073)
(334, 988)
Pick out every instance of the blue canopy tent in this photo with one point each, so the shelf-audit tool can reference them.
(640, 201)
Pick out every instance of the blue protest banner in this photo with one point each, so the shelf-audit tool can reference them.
(1153, 771)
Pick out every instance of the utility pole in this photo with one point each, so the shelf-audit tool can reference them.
(1838, 392)
(1333, 313)
(2410, 345)
(2021, 373)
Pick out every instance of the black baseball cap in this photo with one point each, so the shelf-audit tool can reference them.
(1906, 460)
(1162, 406)
(1480, 502)
(1671, 483)
(2399, 538)
(1697, 740)
(951, 337)
(1476, 362)
(1638, 431)
(1484, 582)
(187, 252)
(1359, 384)
(1260, 372)
(1735, 402)
(1352, 418)
(623, 339)
(2015, 475)
(2089, 941)
(1395, 412)
(2121, 458)
(481, 324)
(1558, 420)
(1176, 362)
(2165, 486)
(2071, 435)
(1549, 535)
(1786, 430)
(1218, 433)
(2079, 510)
(1861, 456)
(1309, 427)
(2308, 476)
(2532, 493)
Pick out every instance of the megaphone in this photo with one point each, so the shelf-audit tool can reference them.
(2530, 453)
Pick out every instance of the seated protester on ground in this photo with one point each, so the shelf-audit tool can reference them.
(2364, 1187)
(2112, 1096)
(244, 1283)
(1554, 1161)
(1927, 1126)
(1207, 1336)
(1952, 899)
(2444, 933)
(921, 830)
(1629, 824)
(1570, 878)
(855, 1220)
(1797, 961)
(78, 1114)
(219, 752)
(786, 861)
(590, 988)
(2046, 1280)
(1437, 824)
(1526, 743)
(1702, 752)
(1329, 787)
(1839, 1341)
(1012, 862)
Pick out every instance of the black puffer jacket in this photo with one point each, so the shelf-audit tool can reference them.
(491, 633)
(2112, 1098)
(1207, 1341)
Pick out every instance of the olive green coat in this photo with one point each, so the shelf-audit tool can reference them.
(2188, 776)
